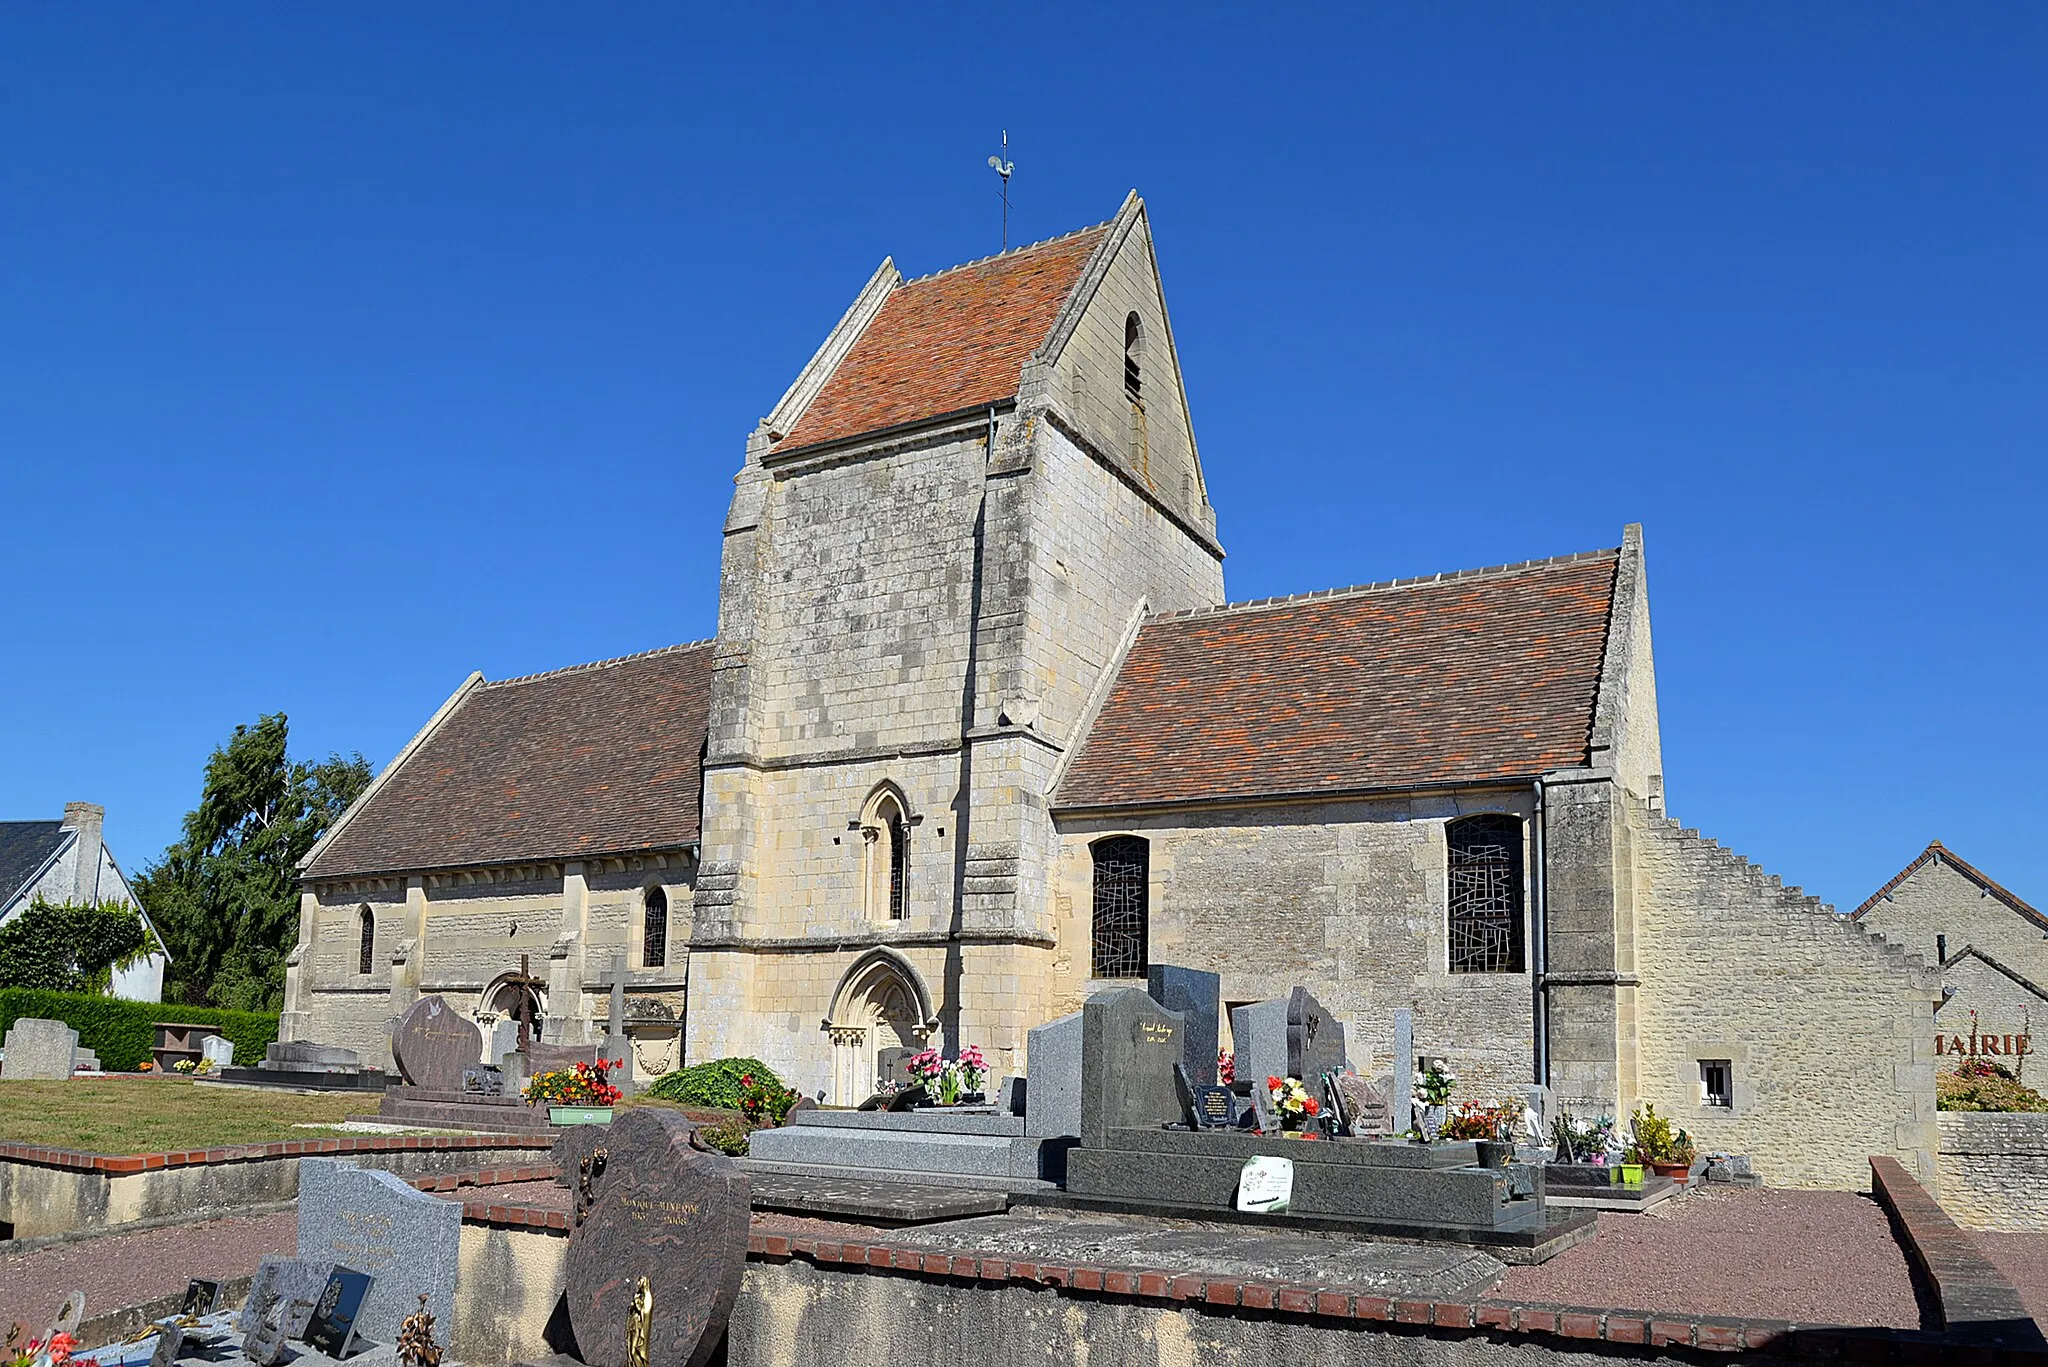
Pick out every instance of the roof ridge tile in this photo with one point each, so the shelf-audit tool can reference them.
(1386, 585)
(600, 664)
(1013, 251)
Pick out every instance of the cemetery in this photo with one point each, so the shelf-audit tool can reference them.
(1266, 1192)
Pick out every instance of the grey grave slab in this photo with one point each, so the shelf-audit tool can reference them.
(1315, 1039)
(903, 1151)
(888, 1202)
(433, 1043)
(1011, 1096)
(1258, 1034)
(950, 1120)
(667, 1215)
(371, 1221)
(217, 1050)
(1197, 995)
(1129, 1044)
(39, 1050)
(1052, 1097)
(307, 1056)
(293, 1281)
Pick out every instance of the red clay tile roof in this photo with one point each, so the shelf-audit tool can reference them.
(1936, 850)
(947, 342)
(1454, 680)
(599, 759)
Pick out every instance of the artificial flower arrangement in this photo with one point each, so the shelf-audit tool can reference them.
(950, 1082)
(1226, 1067)
(1434, 1084)
(1575, 1143)
(59, 1352)
(583, 1085)
(193, 1065)
(1296, 1108)
(1477, 1120)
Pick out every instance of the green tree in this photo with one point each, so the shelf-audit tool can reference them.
(225, 897)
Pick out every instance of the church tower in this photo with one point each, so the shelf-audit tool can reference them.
(942, 540)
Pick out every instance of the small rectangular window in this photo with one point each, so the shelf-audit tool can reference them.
(1717, 1082)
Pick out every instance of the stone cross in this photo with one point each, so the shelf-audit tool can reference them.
(1401, 1096)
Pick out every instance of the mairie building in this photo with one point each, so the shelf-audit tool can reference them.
(980, 733)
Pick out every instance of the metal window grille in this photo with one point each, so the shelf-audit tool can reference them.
(654, 931)
(1486, 895)
(1717, 1082)
(1123, 866)
(367, 955)
(899, 867)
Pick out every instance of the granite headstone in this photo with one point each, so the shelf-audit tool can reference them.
(1259, 1039)
(1315, 1039)
(1198, 996)
(1129, 1044)
(433, 1043)
(1401, 1091)
(1052, 1093)
(373, 1222)
(667, 1213)
(38, 1049)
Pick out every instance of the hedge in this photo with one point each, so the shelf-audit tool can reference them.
(716, 1083)
(121, 1032)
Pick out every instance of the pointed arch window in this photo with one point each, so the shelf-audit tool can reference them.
(1122, 910)
(885, 833)
(1485, 885)
(366, 952)
(654, 930)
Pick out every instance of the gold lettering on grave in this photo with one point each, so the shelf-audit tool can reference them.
(1151, 1033)
(368, 1243)
(643, 1209)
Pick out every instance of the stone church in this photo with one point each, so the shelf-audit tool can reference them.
(979, 734)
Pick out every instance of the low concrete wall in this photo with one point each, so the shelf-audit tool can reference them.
(1993, 1170)
(510, 1278)
(45, 1192)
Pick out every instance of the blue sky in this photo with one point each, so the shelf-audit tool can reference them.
(347, 349)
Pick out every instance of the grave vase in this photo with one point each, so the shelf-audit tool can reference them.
(580, 1115)
(1429, 1122)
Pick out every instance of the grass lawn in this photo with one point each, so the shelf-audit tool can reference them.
(156, 1115)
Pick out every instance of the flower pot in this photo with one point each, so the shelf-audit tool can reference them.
(1631, 1174)
(580, 1115)
(1677, 1172)
(1493, 1154)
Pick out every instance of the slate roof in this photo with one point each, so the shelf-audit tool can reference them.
(601, 758)
(1458, 679)
(1937, 851)
(25, 846)
(947, 342)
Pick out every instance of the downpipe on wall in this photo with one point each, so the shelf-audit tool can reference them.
(1539, 943)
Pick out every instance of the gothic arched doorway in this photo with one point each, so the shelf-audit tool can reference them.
(502, 999)
(881, 1013)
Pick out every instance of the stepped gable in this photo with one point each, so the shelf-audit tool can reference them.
(602, 758)
(1481, 676)
(1938, 853)
(948, 342)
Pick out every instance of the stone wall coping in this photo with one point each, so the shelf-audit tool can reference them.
(1232, 1296)
(122, 1165)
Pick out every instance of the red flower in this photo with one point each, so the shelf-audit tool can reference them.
(1312, 1106)
(1271, 1083)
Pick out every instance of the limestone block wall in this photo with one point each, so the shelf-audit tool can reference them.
(1937, 900)
(1829, 1030)
(1994, 1170)
(1347, 899)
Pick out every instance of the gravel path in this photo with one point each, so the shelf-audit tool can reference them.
(1817, 1257)
(2023, 1258)
(119, 1270)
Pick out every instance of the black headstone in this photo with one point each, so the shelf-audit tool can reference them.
(1198, 996)
(1129, 1044)
(669, 1214)
(1315, 1040)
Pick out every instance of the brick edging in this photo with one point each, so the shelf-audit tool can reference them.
(1975, 1297)
(485, 1177)
(120, 1165)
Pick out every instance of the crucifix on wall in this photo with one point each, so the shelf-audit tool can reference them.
(529, 993)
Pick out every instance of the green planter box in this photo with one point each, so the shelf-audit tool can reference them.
(580, 1115)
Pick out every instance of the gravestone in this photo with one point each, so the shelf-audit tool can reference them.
(372, 1222)
(504, 1040)
(1052, 1091)
(1198, 996)
(1204, 1107)
(39, 1050)
(433, 1043)
(1012, 1096)
(297, 1282)
(1401, 1090)
(892, 1066)
(671, 1217)
(337, 1323)
(217, 1050)
(1258, 1035)
(1129, 1044)
(1366, 1109)
(1315, 1040)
